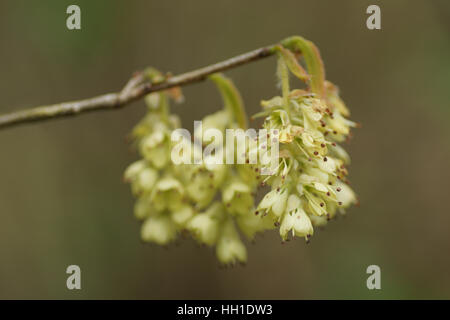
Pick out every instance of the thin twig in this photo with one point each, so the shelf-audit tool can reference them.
(137, 87)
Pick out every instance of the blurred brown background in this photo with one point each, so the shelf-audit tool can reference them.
(62, 200)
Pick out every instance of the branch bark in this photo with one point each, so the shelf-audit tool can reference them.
(137, 87)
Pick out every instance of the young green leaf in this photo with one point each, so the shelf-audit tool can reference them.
(292, 63)
(313, 61)
(231, 97)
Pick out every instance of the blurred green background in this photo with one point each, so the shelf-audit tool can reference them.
(62, 200)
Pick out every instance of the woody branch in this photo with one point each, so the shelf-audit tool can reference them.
(137, 87)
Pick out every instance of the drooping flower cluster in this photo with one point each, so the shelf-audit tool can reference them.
(309, 185)
(208, 200)
(214, 201)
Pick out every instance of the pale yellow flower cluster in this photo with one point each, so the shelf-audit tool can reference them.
(309, 185)
(210, 201)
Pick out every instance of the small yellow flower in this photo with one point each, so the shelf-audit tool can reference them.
(181, 215)
(156, 148)
(219, 120)
(202, 182)
(237, 197)
(274, 202)
(143, 207)
(296, 220)
(345, 196)
(230, 248)
(145, 181)
(167, 194)
(159, 229)
(205, 226)
(133, 170)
